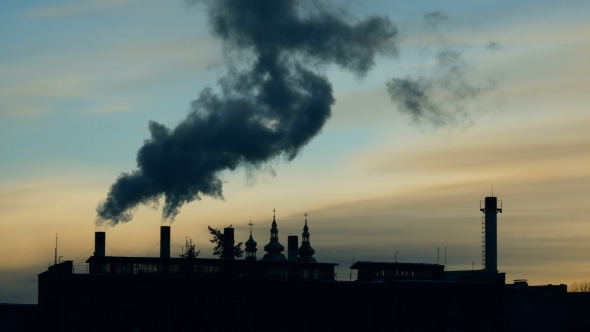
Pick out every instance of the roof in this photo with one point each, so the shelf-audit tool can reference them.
(475, 275)
(392, 264)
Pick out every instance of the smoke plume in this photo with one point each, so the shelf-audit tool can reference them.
(444, 95)
(269, 110)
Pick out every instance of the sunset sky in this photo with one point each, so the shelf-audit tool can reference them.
(80, 80)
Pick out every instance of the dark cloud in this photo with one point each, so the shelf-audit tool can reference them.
(269, 110)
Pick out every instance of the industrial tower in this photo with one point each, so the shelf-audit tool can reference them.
(490, 208)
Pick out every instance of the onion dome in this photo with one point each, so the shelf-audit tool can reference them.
(274, 248)
(306, 251)
(251, 246)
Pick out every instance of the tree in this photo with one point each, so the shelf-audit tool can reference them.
(580, 287)
(189, 250)
(218, 239)
(189, 255)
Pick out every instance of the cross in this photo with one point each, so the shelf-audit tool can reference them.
(250, 224)
(274, 211)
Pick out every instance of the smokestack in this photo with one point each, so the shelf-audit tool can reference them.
(228, 244)
(165, 242)
(292, 247)
(99, 244)
(490, 210)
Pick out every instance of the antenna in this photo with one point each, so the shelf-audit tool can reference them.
(55, 262)
(437, 254)
(445, 258)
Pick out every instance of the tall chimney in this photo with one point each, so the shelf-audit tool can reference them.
(292, 248)
(490, 209)
(228, 243)
(99, 244)
(165, 242)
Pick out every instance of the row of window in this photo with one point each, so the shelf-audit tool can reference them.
(276, 273)
(404, 273)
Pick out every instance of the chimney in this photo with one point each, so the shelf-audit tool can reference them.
(491, 207)
(165, 242)
(228, 244)
(99, 244)
(292, 248)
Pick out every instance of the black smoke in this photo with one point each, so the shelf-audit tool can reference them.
(269, 110)
(441, 98)
(444, 94)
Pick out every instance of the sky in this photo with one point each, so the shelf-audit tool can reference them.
(80, 81)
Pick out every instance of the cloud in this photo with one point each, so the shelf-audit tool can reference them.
(44, 81)
(543, 148)
(14, 107)
(79, 7)
(537, 231)
(108, 109)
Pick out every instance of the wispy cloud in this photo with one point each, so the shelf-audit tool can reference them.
(108, 109)
(541, 149)
(16, 108)
(39, 85)
(78, 7)
(537, 231)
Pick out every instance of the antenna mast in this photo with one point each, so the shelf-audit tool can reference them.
(437, 254)
(55, 262)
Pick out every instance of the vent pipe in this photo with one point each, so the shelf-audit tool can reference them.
(165, 242)
(228, 244)
(292, 244)
(99, 244)
(491, 207)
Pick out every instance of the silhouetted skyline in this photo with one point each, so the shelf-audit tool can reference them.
(478, 95)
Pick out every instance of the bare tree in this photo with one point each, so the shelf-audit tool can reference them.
(580, 287)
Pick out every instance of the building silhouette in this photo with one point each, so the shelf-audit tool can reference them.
(293, 293)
